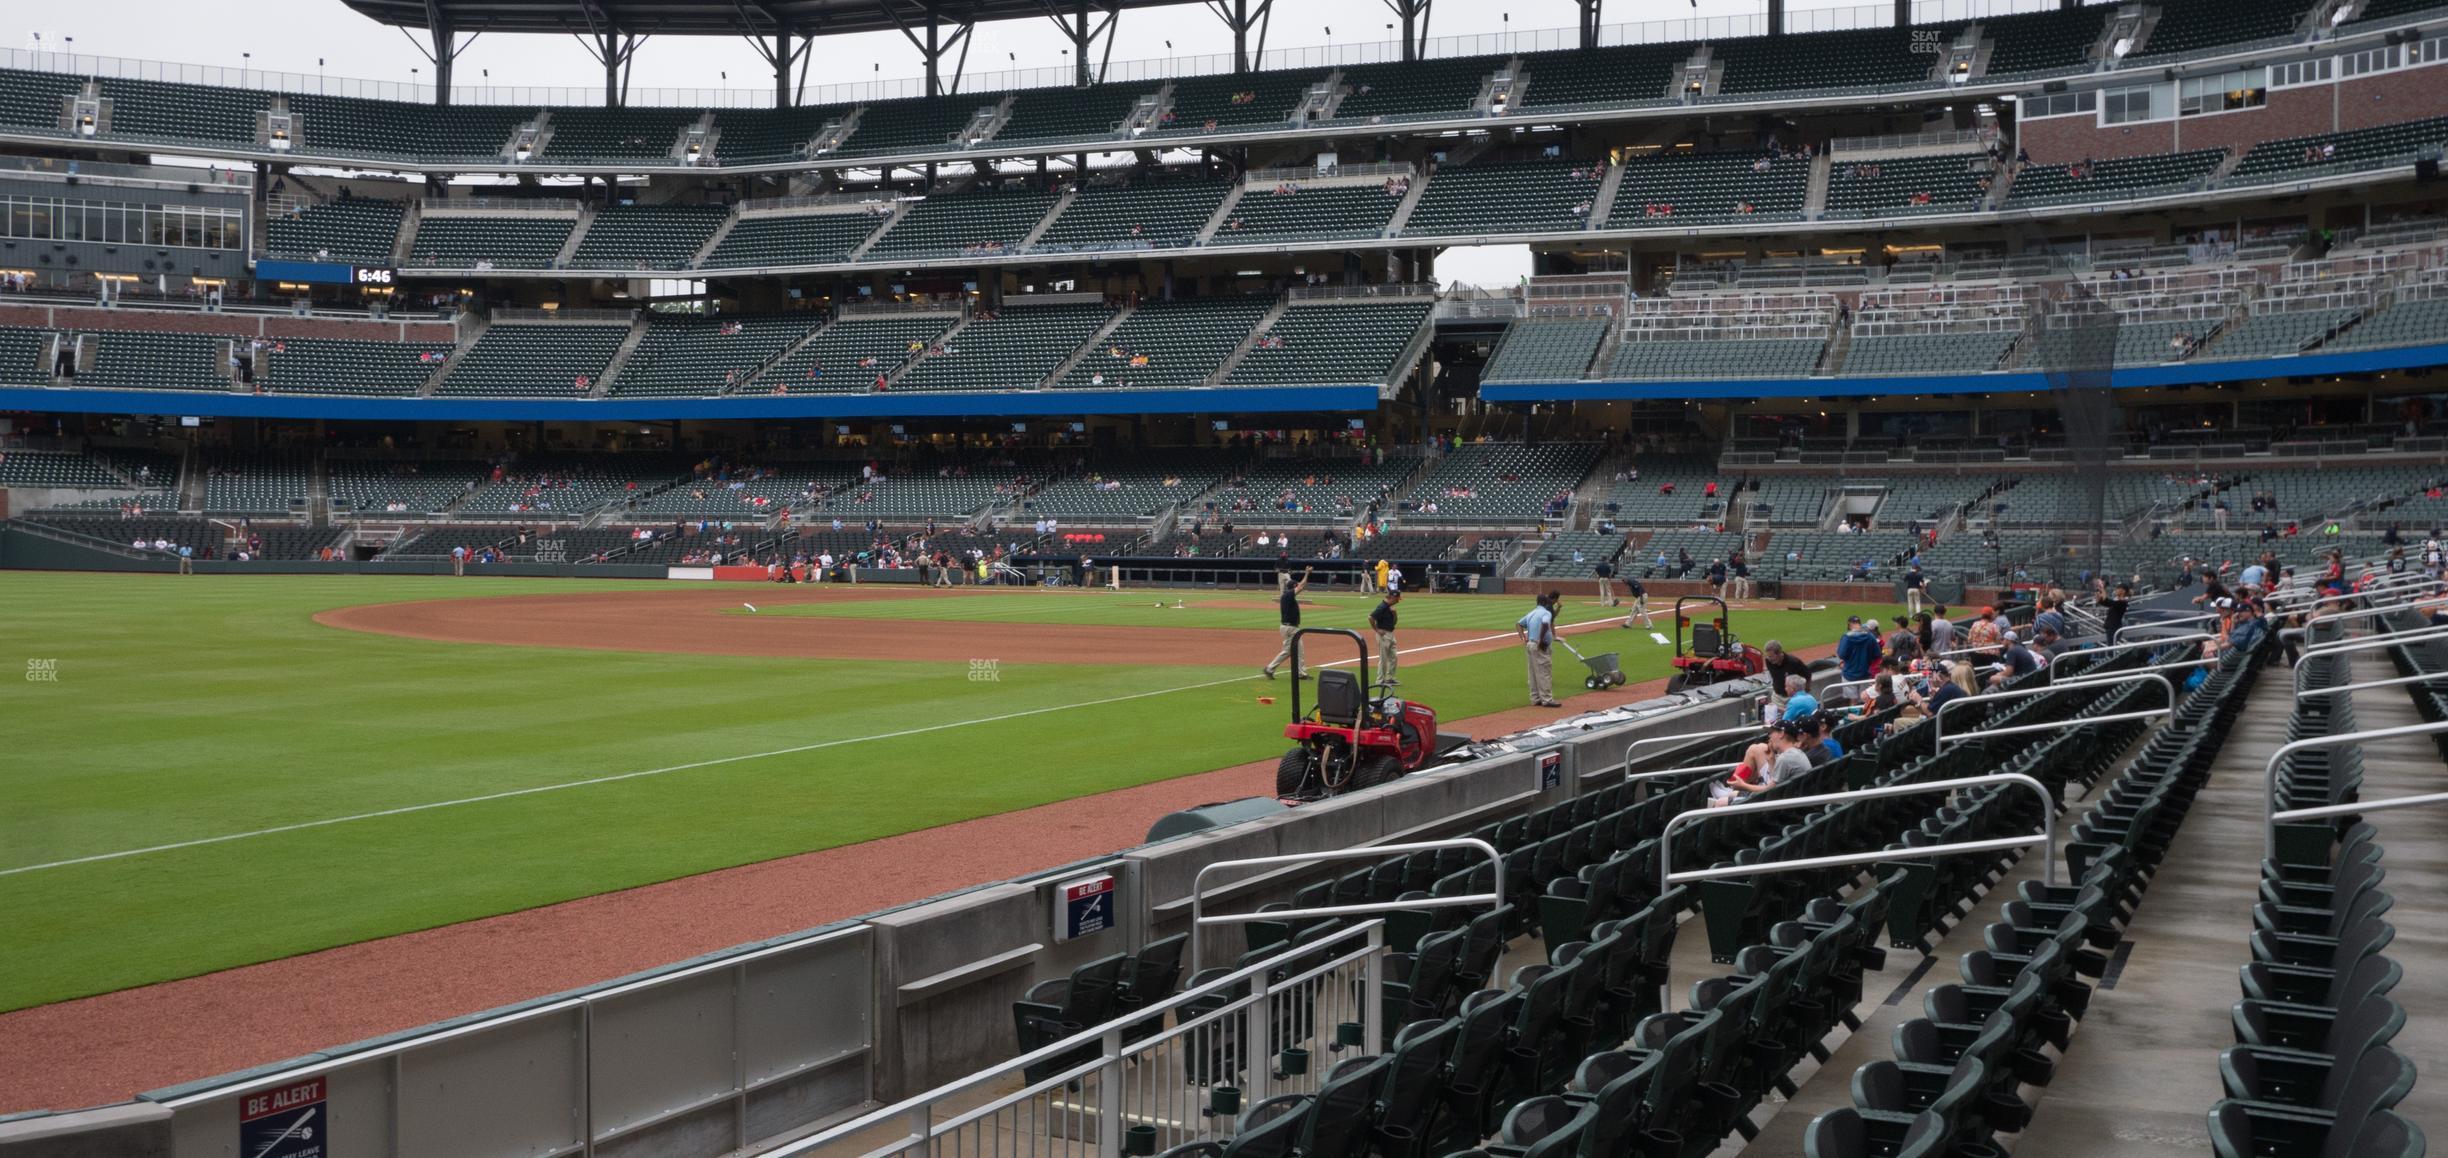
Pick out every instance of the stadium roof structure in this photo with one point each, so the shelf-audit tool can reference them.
(713, 17)
(613, 29)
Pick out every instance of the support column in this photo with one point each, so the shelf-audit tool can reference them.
(443, 56)
(1903, 13)
(1592, 11)
(1415, 16)
(1241, 18)
(934, 44)
(1776, 17)
(441, 50)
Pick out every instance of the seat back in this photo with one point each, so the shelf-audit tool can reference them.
(1156, 968)
(1344, 1109)
(1273, 1133)
(1705, 639)
(1093, 986)
(1415, 1073)
(1339, 697)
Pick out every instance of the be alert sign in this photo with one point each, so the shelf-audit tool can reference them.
(1087, 907)
(285, 1122)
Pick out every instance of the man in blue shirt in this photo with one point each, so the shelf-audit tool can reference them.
(1799, 703)
(1858, 650)
(1538, 637)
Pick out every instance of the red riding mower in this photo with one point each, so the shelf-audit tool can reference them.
(1715, 655)
(1352, 740)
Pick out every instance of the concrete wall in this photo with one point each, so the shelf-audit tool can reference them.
(135, 1130)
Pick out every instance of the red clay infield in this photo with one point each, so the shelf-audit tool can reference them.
(107, 1048)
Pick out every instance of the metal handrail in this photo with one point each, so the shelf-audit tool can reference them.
(2269, 779)
(2369, 612)
(2107, 648)
(2077, 681)
(1199, 919)
(1938, 721)
(1636, 744)
(2367, 643)
(2046, 837)
(1110, 1041)
(2302, 694)
(1662, 773)
(2417, 633)
(2178, 622)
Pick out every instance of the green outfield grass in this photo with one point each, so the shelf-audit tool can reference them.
(203, 708)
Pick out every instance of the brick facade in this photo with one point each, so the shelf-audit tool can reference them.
(2062, 140)
(2291, 112)
(2390, 97)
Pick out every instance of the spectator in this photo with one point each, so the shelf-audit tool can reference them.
(2017, 659)
(1780, 666)
(1857, 652)
(1903, 644)
(1799, 702)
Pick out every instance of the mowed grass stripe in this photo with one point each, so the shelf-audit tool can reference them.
(200, 707)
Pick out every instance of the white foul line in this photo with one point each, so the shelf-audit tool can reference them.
(720, 760)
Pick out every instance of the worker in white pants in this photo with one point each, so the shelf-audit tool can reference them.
(1538, 640)
(1382, 619)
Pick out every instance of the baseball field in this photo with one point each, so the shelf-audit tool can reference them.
(207, 772)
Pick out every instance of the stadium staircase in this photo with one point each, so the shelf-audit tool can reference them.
(787, 351)
(756, 378)
(471, 328)
(901, 209)
(1410, 357)
(1070, 194)
(894, 379)
(191, 480)
(1094, 343)
(1410, 201)
(406, 244)
(1602, 206)
(2001, 188)
(1223, 213)
(697, 260)
(1814, 202)
(1839, 344)
(577, 234)
(620, 357)
(1249, 341)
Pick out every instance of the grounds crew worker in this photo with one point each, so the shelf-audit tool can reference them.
(1383, 620)
(1289, 601)
(1538, 637)
(1605, 570)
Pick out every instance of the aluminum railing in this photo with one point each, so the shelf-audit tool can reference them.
(2273, 816)
(2046, 838)
(2181, 621)
(1644, 741)
(1938, 736)
(2368, 642)
(1200, 918)
(2108, 648)
(2372, 612)
(1103, 1081)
